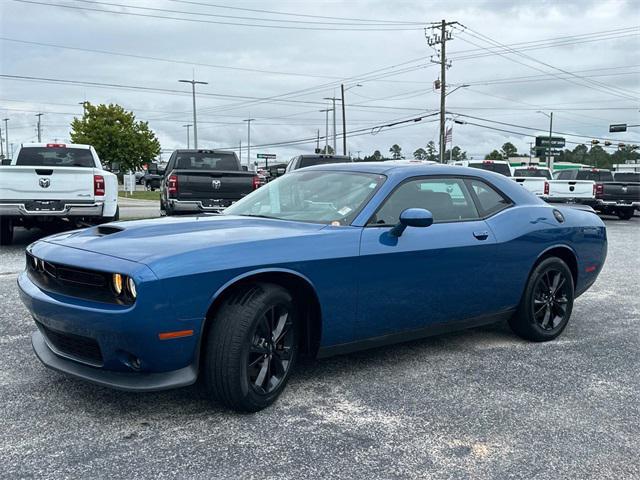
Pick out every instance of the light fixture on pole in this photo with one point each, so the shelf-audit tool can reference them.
(193, 95)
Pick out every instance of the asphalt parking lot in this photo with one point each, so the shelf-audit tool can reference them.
(476, 404)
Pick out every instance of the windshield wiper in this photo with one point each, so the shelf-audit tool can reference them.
(257, 216)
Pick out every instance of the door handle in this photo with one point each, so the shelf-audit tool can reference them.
(481, 235)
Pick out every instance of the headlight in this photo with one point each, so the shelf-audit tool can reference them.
(116, 281)
(131, 285)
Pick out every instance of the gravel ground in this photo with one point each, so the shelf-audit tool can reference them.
(476, 404)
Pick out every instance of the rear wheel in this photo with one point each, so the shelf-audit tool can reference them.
(6, 231)
(547, 302)
(625, 213)
(251, 348)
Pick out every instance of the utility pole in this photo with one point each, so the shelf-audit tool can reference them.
(333, 100)
(318, 141)
(249, 120)
(550, 135)
(1, 145)
(441, 39)
(6, 136)
(39, 115)
(193, 94)
(188, 125)
(240, 151)
(344, 122)
(326, 129)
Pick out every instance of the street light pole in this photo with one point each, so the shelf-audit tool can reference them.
(39, 115)
(550, 115)
(249, 120)
(188, 125)
(344, 121)
(333, 100)
(193, 95)
(6, 135)
(326, 129)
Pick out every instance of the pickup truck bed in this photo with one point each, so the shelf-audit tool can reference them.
(201, 181)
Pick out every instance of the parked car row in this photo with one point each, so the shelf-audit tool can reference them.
(605, 191)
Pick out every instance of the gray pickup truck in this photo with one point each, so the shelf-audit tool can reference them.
(611, 197)
(201, 181)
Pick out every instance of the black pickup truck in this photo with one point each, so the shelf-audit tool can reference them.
(199, 181)
(611, 197)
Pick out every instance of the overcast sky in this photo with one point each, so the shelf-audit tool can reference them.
(587, 72)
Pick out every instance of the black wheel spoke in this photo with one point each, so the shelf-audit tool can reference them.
(547, 317)
(262, 375)
(257, 360)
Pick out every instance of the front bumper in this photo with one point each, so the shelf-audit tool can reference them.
(68, 210)
(127, 350)
(129, 381)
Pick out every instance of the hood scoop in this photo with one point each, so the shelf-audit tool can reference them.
(103, 230)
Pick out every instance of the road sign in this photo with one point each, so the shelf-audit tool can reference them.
(554, 142)
(543, 152)
(618, 127)
(266, 155)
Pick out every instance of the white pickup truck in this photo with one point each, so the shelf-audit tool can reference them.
(539, 181)
(48, 185)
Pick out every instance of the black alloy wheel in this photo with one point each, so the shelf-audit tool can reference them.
(547, 302)
(271, 350)
(550, 299)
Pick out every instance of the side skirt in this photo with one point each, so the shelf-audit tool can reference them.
(430, 331)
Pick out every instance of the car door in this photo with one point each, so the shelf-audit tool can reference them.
(431, 275)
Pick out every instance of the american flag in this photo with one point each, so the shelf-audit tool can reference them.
(448, 135)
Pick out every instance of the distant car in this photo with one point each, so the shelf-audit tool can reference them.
(410, 162)
(139, 176)
(303, 161)
(325, 260)
(204, 181)
(499, 166)
(53, 185)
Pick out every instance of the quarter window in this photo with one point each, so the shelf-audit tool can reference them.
(489, 200)
(448, 199)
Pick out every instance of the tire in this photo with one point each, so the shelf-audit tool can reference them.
(547, 302)
(246, 367)
(625, 213)
(6, 231)
(115, 218)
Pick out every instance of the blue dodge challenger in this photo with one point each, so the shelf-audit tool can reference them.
(325, 260)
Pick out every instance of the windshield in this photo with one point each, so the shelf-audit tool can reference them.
(310, 161)
(315, 196)
(502, 168)
(627, 177)
(55, 157)
(207, 161)
(531, 172)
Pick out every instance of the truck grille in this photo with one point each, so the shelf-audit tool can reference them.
(80, 348)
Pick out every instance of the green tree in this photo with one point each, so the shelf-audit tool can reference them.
(327, 150)
(456, 154)
(420, 154)
(116, 135)
(432, 151)
(396, 152)
(494, 155)
(375, 157)
(509, 150)
(598, 157)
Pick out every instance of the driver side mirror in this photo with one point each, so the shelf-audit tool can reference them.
(412, 217)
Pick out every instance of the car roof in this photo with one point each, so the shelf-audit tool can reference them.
(320, 155)
(66, 145)
(203, 150)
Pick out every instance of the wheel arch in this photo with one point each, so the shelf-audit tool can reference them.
(301, 289)
(564, 253)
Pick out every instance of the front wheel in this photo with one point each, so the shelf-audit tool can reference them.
(547, 302)
(6, 231)
(625, 213)
(251, 348)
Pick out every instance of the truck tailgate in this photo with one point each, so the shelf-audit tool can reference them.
(571, 188)
(203, 185)
(533, 184)
(620, 191)
(46, 183)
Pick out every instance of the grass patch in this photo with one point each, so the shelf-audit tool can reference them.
(141, 195)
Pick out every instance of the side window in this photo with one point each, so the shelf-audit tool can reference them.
(489, 200)
(448, 199)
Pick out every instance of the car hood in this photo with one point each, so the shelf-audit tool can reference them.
(148, 240)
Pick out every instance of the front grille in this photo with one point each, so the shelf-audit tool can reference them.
(81, 348)
(73, 281)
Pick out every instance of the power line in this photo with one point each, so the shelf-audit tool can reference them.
(200, 20)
